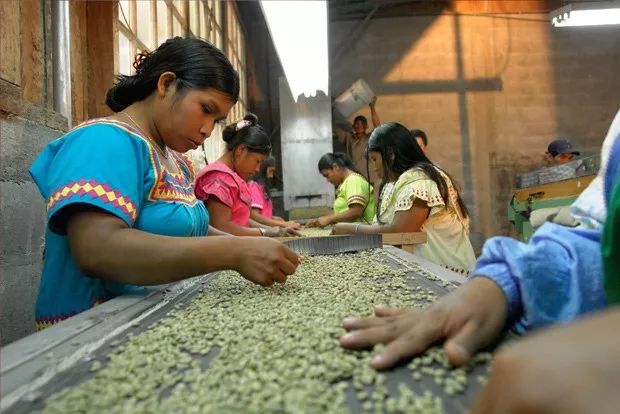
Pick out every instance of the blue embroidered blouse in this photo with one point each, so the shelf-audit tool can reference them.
(111, 166)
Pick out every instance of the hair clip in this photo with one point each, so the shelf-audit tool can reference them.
(139, 60)
(242, 124)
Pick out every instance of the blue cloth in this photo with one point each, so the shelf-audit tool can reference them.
(555, 278)
(108, 165)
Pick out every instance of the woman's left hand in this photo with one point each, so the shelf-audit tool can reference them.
(344, 228)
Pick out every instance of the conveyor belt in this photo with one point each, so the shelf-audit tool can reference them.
(60, 357)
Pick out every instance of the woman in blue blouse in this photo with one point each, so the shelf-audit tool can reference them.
(120, 198)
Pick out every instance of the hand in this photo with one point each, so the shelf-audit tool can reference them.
(292, 224)
(289, 232)
(280, 232)
(564, 370)
(344, 228)
(373, 102)
(312, 223)
(468, 319)
(265, 261)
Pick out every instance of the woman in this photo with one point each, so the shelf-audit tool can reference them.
(262, 205)
(417, 196)
(354, 201)
(120, 202)
(223, 186)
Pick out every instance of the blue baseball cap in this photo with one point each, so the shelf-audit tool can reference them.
(561, 146)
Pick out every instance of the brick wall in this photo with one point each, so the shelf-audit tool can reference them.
(490, 91)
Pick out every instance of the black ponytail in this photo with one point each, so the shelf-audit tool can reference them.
(327, 162)
(197, 65)
(340, 159)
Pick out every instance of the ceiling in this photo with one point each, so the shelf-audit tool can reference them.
(370, 9)
(360, 9)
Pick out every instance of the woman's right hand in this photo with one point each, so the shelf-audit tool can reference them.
(281, 232)
(264, 261)
(468, 319)
(292, 224)
(312, 223)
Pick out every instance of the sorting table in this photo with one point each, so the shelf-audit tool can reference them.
(62, 356)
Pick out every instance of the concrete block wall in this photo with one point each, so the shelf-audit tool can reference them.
(22, 225)
(490, 91)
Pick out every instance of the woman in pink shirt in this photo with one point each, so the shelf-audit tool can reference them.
(223, 186)
(262, 205)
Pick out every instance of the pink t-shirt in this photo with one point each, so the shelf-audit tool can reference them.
(259, 201)
(219, 181)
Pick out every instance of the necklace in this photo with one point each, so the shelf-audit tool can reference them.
(163, 151)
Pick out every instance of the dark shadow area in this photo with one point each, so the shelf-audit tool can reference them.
(586, 75)
(264, 71)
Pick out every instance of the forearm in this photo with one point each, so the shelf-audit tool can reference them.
(266, 221)
(555, 278)
(235, 229)
(216, 232)
(132, 256)
(376, 121)
(357, 228)
(346, 216)
(378, 229)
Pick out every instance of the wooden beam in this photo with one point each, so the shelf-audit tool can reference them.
(389, 239)
(504, 6)
(399, 239)
(101, 39)
(10, 41)
(32, 46)
(559, 189)
(13, 104)
(78, 45)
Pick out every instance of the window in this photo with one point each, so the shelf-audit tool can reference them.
(235, 50)
(162, 19)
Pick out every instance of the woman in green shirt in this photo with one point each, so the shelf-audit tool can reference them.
(354, 201)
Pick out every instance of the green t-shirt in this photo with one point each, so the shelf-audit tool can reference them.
(355, 190)
(610, 246)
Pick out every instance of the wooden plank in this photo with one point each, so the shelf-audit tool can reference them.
(13, 104)
(78, 45)
(559, 189)
(408, 248)
(399, 239)
(47, 53)
(101, 40)
(10, 42)
(504, 6)
(32, 63)
(389, 239)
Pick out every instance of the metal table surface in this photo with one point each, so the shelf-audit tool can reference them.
(60, 356)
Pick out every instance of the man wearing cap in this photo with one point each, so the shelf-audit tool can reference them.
(560, 151)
